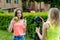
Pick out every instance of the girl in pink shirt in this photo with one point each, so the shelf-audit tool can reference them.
(18, 26)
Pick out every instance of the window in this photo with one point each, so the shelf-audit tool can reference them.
(16, 1)
(8, 1)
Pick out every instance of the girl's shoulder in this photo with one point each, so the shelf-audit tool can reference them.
(21, 20)
(24, 20)
(46, 25)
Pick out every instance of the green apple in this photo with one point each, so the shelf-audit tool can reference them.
(16, 18)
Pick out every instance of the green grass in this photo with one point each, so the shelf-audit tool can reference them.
(5, 35)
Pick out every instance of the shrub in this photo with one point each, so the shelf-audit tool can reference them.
(1, 11)
(32, 25)
(6, 18)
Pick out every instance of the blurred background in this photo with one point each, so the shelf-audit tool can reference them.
(30, 8)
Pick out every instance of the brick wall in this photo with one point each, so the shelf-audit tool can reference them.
(3, 4)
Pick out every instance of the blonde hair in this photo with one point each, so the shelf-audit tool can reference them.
(53, 16)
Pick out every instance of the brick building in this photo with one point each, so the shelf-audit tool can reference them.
(42, 5)
(37, 6)
(10, 4)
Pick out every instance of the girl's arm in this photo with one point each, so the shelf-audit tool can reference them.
(10, 26)
(43, 36)
(25, 24)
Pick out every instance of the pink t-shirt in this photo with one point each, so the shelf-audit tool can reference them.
(19, 28)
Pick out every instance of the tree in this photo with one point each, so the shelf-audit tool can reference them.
(54, 3)
(39, 1)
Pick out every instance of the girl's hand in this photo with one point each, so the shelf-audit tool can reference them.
(16, 18)
(42, 19)
(37, 30)
(46, 25)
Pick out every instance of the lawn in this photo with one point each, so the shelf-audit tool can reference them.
(5, 35)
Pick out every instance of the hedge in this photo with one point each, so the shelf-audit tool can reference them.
(1, 11)
(6, 18)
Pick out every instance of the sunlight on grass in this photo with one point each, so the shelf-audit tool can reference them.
(27, 14)
(5, 35)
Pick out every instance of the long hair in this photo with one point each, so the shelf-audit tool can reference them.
(15, 13)
(53, 16)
